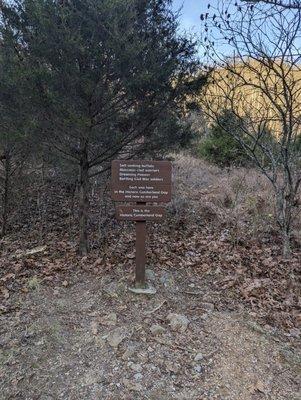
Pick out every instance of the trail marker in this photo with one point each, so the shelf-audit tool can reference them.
(141, 182)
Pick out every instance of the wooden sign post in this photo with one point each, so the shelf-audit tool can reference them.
(141, 182)
(140, 253)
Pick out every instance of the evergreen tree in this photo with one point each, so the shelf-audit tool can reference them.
(15, 121)
(220, 147)
(109, 79)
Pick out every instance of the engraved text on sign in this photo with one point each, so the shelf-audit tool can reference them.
(141, 181)
(140, 213)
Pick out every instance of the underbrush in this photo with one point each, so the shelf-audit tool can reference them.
(238, 202)
(220, 224)
(227, 220)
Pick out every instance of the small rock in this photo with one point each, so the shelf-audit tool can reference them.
(109, 320)
(138, 376)
(147, 290)
(150, 275)
(178, 322)
(116, 336)
(157, 329)
(198, 369)
(198, 357)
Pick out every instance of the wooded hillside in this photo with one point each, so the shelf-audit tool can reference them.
(87, 82)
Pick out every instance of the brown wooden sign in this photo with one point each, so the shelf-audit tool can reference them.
(141, 181)
(140, 213)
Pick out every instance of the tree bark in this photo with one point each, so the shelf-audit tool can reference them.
(5, 197)
(286, 244)
(284, 210)
(83, 201)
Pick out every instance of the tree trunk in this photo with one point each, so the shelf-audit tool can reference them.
(286, 244)
(5, 197)
(83, 202)
(284, 210)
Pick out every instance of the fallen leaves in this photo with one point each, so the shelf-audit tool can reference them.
(199, 240)
(4, 292)
(260, 387)
(8, 277)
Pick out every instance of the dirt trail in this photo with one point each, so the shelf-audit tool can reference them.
(95, 340)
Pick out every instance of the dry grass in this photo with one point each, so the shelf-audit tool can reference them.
(239, 202)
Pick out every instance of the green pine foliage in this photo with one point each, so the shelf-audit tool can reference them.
(107, 79)
(228, 145)
(220, 147)
(104, 72)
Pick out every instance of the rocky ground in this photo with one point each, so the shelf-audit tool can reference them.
(90, 338)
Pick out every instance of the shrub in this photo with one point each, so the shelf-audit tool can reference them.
(221, 148)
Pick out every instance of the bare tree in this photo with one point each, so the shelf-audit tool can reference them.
(288, 4)
(260, 83)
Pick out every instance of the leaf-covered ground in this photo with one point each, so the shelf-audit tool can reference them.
(70, 329)
(92, 339)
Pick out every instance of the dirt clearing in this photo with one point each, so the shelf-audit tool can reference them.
(95, 340)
